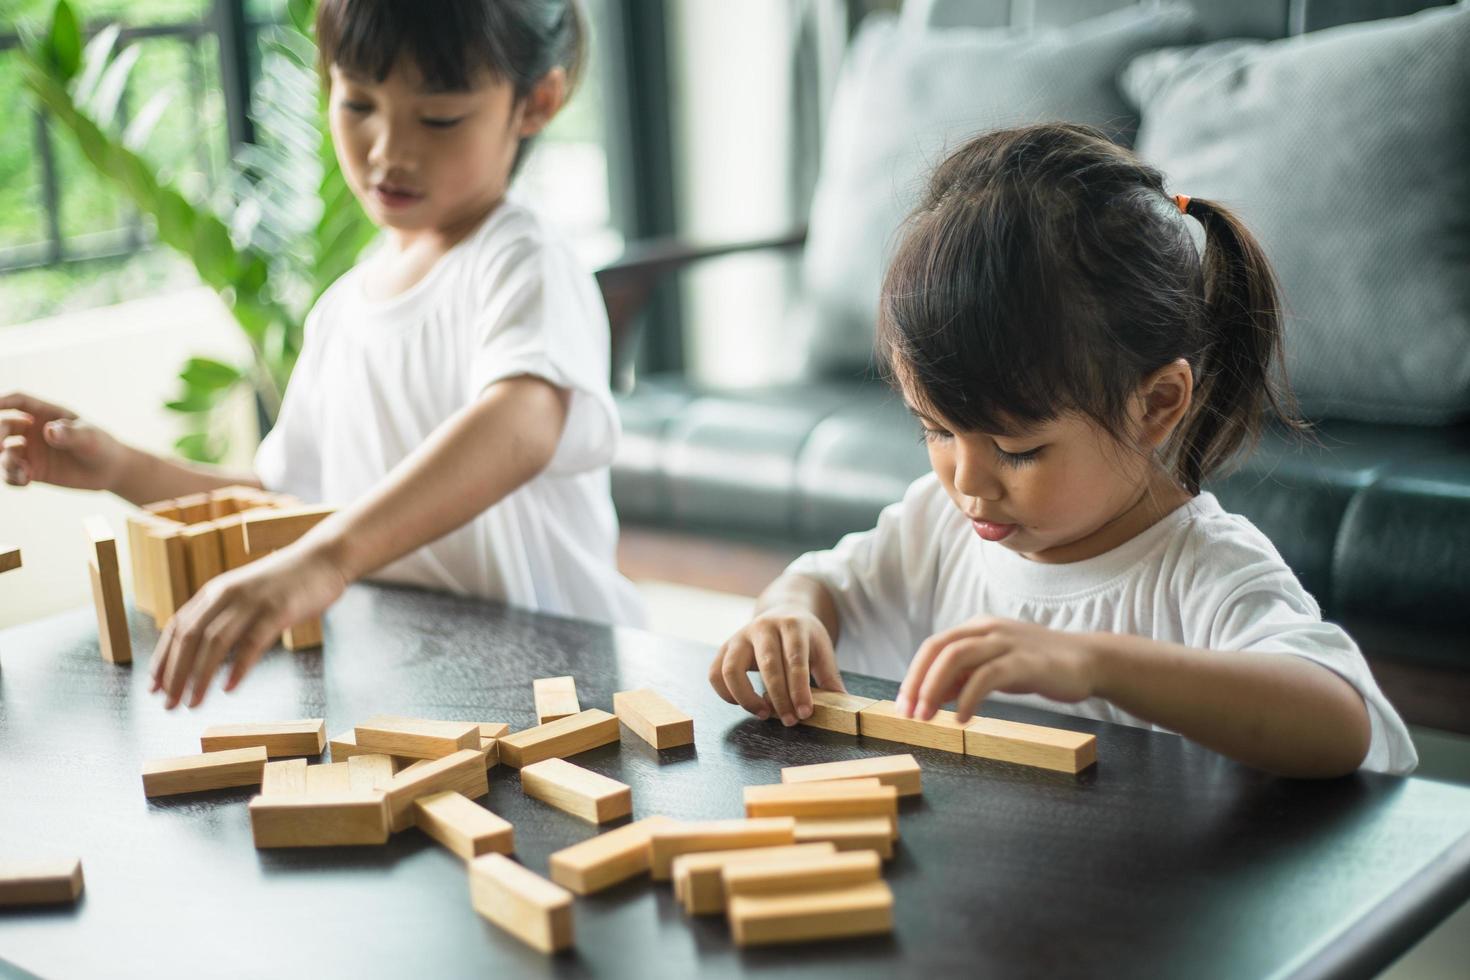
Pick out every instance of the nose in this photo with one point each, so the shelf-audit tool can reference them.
(974, 473)
(391, 150)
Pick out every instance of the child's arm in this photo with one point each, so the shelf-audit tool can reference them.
(1275, 712)
(46, 443)
(478, 456)
(790, 637)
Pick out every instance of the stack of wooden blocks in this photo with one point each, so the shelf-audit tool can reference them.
(178, 545)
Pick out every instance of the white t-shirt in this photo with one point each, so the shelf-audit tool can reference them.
(376, 378)
(1200, 577)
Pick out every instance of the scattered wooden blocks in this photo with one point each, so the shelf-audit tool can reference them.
(699, 878)
(1030, 745)
(463, 772)
(463, 826)
(882, 720)
(556, 697)
(306, 736)
(312, 820)
(107, 593)
(344, 747)
(284, 778)
(845, 798)
(40, 882)
(653, 719)
(493, 729)
(578, 791)
(9, 558)
(490, 733)
(558, 739)
(858, 910)
(607, 859)
(368, 771)
(899, 771)
(836, 712)
(849, 833)
(668, 842)
(210, 770)
(817, 872)
(524, 904)
(330, 779)
(417, 738)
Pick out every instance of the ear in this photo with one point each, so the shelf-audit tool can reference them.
(543, 102)
(1162, 402)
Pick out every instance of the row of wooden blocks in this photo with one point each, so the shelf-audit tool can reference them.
(178, 545)
(804, 863)
(986, 738)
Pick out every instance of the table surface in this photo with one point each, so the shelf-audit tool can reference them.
(1162, 860)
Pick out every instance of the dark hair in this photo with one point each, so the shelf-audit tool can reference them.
(1046, 271)
(451, 41)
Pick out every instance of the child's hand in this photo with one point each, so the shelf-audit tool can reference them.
(241, 612)
(988, 654)
(45, 442)
(788, 645)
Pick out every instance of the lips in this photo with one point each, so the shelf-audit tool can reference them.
(396, 195)
(992, 531)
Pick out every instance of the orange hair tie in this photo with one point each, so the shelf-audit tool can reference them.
(1183, 201)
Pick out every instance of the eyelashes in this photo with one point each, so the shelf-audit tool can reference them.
(1017, 460)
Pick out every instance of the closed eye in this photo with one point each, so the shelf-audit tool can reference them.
(1017, 459)
(440, 123)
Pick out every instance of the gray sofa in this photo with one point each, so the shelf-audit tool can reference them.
(1374, 516)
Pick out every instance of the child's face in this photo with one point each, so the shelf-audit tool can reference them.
(421, 160)
(1065, 490)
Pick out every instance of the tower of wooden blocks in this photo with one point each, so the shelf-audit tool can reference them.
(178, 545)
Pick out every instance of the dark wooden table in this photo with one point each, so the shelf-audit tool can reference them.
(1162, 861)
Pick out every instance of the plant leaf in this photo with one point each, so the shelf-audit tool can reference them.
(103, 106)
(142, 125)
(94, 60)
(204, 373)
(64, 41)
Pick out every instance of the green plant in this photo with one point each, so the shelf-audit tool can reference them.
(291, 225)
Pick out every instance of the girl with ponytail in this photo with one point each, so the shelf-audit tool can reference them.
(1079, 367)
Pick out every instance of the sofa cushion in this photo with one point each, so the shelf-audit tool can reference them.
(904, 98)
(1345, 150)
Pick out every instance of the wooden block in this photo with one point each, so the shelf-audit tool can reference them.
(524, 904)
(303, 636)
(9, 558)
(556, 697)
(490, 749)
(580, 792)
(849, 833)
(210, 770)
(899, 771)
(272, 529)
(857, 910)
(368, 771)
(417, 738)
(232, 540)
(170, 571)
(463, 772)
(142, 594)
(306, 736)
(882, 720)
(667, 843)
(53, 882)
(107, 594)
(319, 820)
(653, 719)
(558, 739)
(1030, 745)
(330, 779)
(816, 872)
(192, 508)
(284, 778)
(166, 509)
(699, 878)
(836, 712)
(607, 859)
(493, 729)
(845, 798)
(463, 826)
(202, 554)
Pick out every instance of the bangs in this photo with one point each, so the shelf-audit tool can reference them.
(450, 42)
(980, 331)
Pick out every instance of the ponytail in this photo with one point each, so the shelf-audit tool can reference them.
(1234, 383)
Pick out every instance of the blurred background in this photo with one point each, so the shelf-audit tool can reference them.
(734, 173)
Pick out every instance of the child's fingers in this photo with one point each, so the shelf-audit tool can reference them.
(739, 659)
(257, 639)
(950, 666)
(824, 662)
(772, 663)
(160, 657)
(185, 643)
(989, 678)
(220, 637)
(796, 650)
(13, 461)
(717, 676)
(918, 669)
